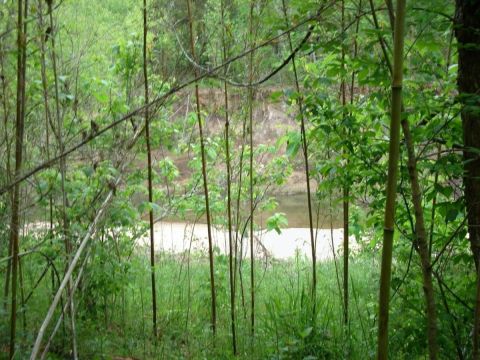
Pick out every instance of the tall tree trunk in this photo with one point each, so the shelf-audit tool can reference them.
(204, 175)
(307, 169)
(229, 192)
(468, 36)
(391, 190)
(149, 167)
(467, 20)
(19, 135)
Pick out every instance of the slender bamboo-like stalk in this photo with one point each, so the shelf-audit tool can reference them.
(20, 125)
(43, 72)
(346, 187)
(391, 14)
(59, 134)
(48, 117)
(238, 259)
(63, 169)
(149, 167)
(434, 208)
(22, 296)
(380, 38)
(204, 175)
(19, 135)
(307, 170)
(9, 173)
(396, 112)
(229, 193)
(250, 116)
(332, 243)
(422, 244)
(355, 52)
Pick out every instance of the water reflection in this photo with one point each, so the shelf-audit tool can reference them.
(296, 210)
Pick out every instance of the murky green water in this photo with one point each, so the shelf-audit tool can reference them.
(296, 210)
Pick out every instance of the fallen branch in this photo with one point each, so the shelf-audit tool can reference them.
(91, 231)
(72, 292)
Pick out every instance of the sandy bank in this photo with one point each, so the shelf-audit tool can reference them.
(176, 237)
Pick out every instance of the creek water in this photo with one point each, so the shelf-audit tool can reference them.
(177, 236)
(174, 236)
(295, 208)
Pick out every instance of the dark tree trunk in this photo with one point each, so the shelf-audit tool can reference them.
(467, 31)
(468, 36)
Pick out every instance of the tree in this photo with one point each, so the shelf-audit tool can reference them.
(467, 24)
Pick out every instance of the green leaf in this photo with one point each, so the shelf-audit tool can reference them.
(276, 221)
(293, 144)
(306, 332)
(276, 95)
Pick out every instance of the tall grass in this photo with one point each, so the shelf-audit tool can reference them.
(114, 313)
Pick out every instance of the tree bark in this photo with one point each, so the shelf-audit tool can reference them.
(468, 36)
(467, 21)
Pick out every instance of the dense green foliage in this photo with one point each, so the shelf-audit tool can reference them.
(98, 60)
